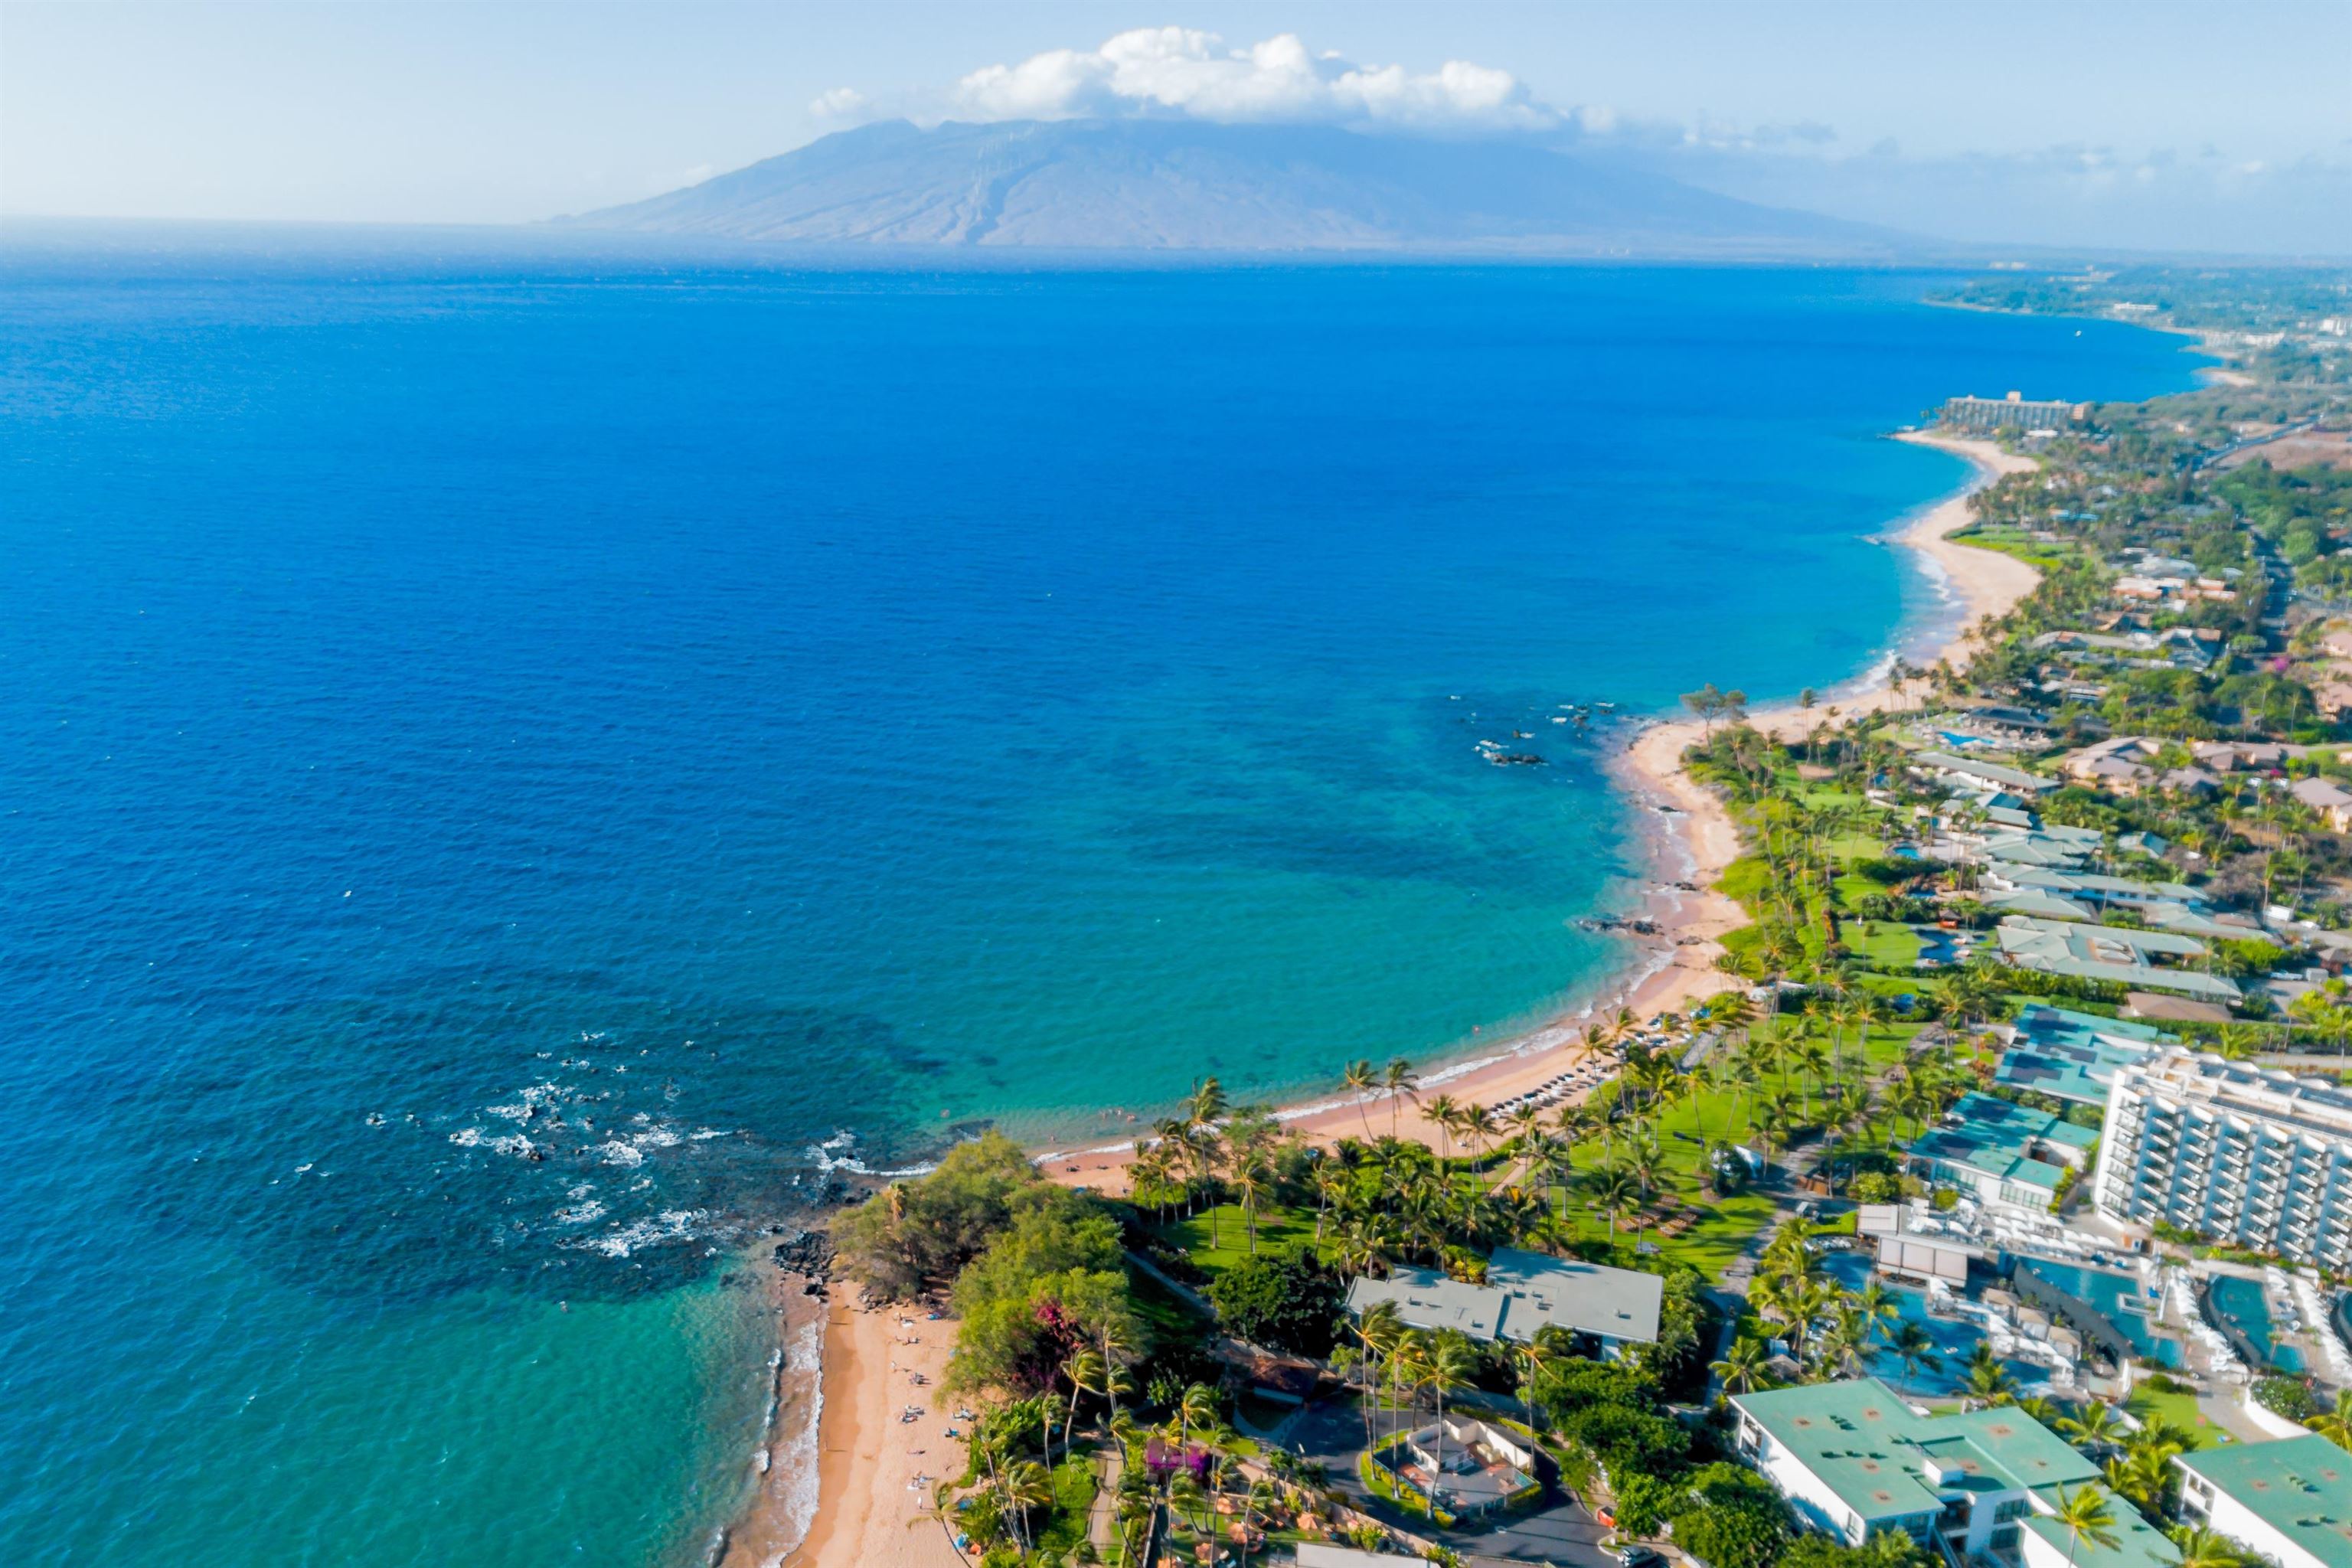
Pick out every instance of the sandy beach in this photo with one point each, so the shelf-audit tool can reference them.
(872, 1463)
(1694, 841)
(867, 1454)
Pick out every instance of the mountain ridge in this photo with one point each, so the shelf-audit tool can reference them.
(1179, 185)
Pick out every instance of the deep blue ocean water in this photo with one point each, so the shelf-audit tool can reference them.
(459, 701)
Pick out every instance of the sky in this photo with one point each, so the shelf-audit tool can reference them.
(2142, 124)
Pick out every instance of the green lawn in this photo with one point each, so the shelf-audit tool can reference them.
(1278, 1230)
(2180, 1409)
(1887, 945)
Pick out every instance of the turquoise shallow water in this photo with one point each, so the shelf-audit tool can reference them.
(667, 715)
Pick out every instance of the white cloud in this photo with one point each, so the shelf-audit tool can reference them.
(841, 103)
(1182, 71)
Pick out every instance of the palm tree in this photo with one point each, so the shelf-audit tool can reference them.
(2203, 1548)
(1441, 1113)
(1252, 1180)
(2084, 1515)
(1089, 1373)
(1741, 1369)
(2336, 1425)
(1379, 1331)
(1846, 1347)
(1448, 1364)
(1550, 1345)
(1878, 1307)
(1401, 1083)
(1368, 1246)
(1362, 1082)
(2142, 1477)
(1988, 1380)
(1478, 1126)
(1025, 1487)
(1331, 1185)
(1615, 1192)
(2093, 1428)
(1914, 1347)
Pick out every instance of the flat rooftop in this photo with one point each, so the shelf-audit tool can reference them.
(2300, 1487)
(1523, 1291)
(1995, 1137)
(1860, 1438)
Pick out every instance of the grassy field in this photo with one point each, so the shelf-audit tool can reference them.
(1278, 1230)
(1885, 944)
(2180, 1409)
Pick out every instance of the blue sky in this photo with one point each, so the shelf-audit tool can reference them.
(1984, 116)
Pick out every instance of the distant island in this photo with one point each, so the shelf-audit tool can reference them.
(1179, 185)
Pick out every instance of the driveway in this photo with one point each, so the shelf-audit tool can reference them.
(1331, 1432)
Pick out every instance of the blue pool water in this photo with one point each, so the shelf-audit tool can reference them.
(1954, 1339)
(673, 711)
(2240, 1304)
(2121, 1297)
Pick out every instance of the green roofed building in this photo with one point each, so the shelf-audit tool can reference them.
(2002, 1154)
(1856, 1460)
(2290, 1500)
(2071, 1055)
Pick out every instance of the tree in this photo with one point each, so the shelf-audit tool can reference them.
(1289, 1302)
(1363, 1083)
(2335, 1424)
(2093, 1428)
(1988, 1379)
(2203, 1548)
(1914, 1347)
(1733, 1527)
(1379, 1329)
(1741, 1369)
(1616, 1192)
(2085, 1515)
(1401, 1083)
(915, 1235)
(1447, 1363)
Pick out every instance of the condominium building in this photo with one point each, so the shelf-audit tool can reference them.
(2002, 1154)
(2290, 1501)
(2249, 1158)
(1856, 1460)
(2015, 412)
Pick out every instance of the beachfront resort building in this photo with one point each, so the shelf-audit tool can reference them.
(2071, 1055)
(1854, 1460)
(1523, 1291)
(2015, 412)
(2141, 960)
(2003, 1154)
(2250, 1158)
(2291, 1501)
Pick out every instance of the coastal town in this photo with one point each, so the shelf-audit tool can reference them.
(1966, 1184)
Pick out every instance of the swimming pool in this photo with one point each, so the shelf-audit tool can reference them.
(2240, 1310)
(1955, 1339)
(2120, 1297)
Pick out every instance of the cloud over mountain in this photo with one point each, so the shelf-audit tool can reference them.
(1182, 72)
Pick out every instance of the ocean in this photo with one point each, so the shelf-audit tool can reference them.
(520, 760)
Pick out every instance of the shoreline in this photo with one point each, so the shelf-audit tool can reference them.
(865, 1473)
(1693, 839)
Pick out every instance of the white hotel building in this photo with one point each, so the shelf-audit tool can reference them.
(2253, 1159)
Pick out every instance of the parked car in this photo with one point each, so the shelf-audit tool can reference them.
(1639, 1557)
